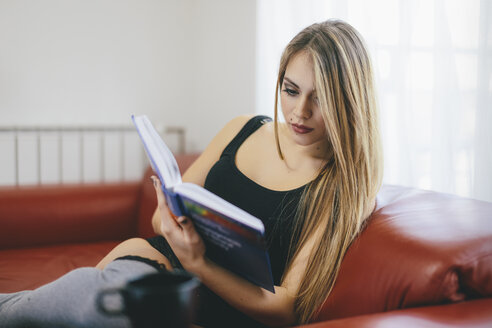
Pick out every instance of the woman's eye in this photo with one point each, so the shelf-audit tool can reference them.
(290, 92)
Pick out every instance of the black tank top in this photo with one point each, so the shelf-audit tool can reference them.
(276, 209)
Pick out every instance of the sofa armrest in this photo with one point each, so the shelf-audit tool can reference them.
(418, 248)
(47, 215)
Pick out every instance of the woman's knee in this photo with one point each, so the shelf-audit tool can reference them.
(134, 243)
(135, 247)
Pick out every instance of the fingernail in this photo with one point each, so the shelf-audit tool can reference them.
(153, 181)
(184, 220)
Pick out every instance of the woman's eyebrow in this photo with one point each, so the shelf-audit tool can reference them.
(290, 81)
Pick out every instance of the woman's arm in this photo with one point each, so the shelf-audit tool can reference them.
(268, 308)
(271, 309)
(197, 172)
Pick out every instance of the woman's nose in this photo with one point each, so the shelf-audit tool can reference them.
(303, 109)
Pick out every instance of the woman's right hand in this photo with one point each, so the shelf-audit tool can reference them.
(180, 233)
(156, 221)
(160, 208)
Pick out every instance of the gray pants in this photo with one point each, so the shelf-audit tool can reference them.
(70, 300)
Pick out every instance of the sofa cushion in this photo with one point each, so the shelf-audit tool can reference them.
(419, 248)
(81, 213)
(29, 268)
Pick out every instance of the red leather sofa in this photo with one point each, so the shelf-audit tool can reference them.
(424, 259)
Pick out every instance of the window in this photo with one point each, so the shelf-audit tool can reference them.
(433, 64)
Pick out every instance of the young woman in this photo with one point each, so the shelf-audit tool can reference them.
(312, 180)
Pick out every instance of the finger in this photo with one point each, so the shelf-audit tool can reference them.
(161, 200)
(187, 227)
(161, 197)
(167, 218)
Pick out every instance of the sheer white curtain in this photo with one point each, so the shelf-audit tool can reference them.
(433, 63)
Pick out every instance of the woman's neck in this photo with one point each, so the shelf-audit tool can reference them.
(302, 156)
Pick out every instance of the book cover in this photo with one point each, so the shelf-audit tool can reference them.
(233, 238)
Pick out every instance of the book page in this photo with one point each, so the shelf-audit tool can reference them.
(210, 200)
(161, 158)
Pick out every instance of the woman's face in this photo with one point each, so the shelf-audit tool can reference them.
(300, 103)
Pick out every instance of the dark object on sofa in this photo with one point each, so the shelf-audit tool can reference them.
(424, 259)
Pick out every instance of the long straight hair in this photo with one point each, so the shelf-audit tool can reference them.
(335, 205)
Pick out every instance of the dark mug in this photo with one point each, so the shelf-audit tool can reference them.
(164, 299)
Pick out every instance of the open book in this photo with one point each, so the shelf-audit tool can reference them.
(234, 238)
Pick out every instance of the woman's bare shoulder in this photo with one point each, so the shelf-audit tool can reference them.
(233, 127)
(226, 134)
(199, 169)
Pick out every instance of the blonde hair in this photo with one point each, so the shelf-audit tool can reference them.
(338, 201)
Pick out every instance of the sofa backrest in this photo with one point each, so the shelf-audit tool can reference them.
(419, 248)
(56, 214)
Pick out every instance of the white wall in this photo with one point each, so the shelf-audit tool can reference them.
(188, 63)
(222, 80)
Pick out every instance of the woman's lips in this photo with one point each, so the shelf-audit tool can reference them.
(302, 129)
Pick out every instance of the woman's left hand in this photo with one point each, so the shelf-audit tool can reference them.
(180, 233)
